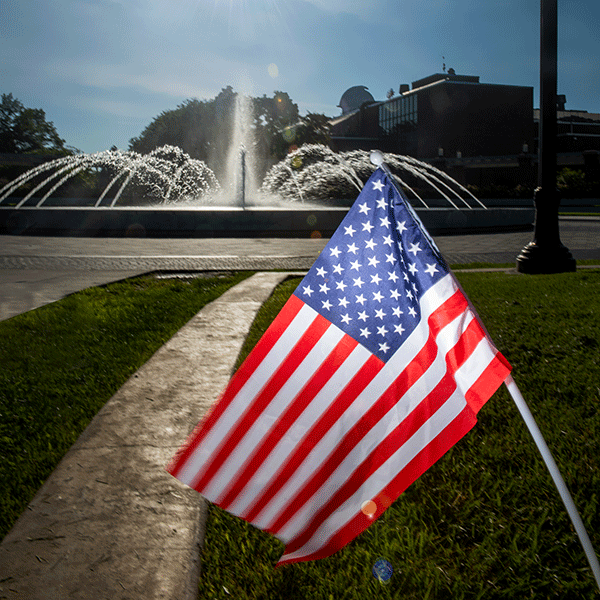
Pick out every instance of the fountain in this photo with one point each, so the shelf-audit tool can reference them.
(169, 194)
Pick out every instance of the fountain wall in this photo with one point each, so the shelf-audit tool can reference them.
(206, 222)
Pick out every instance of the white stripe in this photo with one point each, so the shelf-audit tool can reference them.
(398, 412)
(378, 480)
(239, 404)
(475, 365)
(263, 425)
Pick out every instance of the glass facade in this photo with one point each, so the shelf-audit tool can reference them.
(398, 114)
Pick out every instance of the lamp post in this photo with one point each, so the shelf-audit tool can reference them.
(546, 253)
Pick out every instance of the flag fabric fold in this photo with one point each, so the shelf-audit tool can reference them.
(373, 369)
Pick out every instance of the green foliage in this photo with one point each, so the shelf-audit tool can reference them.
(574, 183)
(62, 362)
(25, 130)
(485, 521)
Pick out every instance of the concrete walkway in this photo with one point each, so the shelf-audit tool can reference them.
(110, 523)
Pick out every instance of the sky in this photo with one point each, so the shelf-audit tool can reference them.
(103, 69)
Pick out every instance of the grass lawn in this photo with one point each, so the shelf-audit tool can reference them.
(486, 521)
(62, 362)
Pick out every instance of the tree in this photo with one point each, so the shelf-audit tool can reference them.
(25, 130)
(203, 128)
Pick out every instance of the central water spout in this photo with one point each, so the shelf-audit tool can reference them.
(243, 164)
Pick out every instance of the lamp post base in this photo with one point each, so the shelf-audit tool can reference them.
(535, 259)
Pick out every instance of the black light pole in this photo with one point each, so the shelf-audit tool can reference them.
(546, 253)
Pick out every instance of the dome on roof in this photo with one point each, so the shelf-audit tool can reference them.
(353, 98)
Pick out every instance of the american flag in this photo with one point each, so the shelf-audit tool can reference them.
(373, 369)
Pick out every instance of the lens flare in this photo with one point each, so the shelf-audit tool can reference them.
(369, 508)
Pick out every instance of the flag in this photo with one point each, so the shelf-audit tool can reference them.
(373, 369)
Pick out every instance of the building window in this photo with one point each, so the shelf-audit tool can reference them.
(398, 113)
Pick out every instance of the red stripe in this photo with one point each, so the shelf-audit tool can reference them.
(321, 376)
(488, 382)
(362, 378)
(267, 341)
(455, 430)
(444, 315)
(397, 438)
(259, 403)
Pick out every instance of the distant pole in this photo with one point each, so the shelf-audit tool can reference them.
(546, 253)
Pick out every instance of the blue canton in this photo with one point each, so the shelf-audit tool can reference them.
(369, 278)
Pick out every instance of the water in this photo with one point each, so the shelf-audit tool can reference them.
(165, 176)
(315, 172)
(312, 174)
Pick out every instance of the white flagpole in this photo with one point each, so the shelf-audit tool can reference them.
(556, 476)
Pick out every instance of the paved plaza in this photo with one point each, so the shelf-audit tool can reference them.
(38, 270)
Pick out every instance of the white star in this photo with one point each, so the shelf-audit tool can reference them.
(340, 285)
(385, 222)
(343, 302)
(363, 208)
(392, 276)
(326, 304)
(405, 274)
(370, 245)
(381, 203)
(413, 268)
(401, 227)
(414, 248)
(355, 265)
(379, 313)
(398, 329)
(373, 262)
(308, 290)
(335, 252)
(414, 286)
(397, 312)
(321, 271)
(377, 185)
(338, 269)
(360, 299)
(367, 226)
(362, 316)
(409, 294)
(431, 269)
(365, 333)
(358, 282)
(349, 230)
(346, 319)
(412, 312)
(377, 296)
(390, 258)
(382, 330)
(375, 279)
(394, 294)
(388, 240)
(383, 347)
(323, 288)
(352, 248)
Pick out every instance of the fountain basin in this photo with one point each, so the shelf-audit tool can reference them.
(207, 221)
